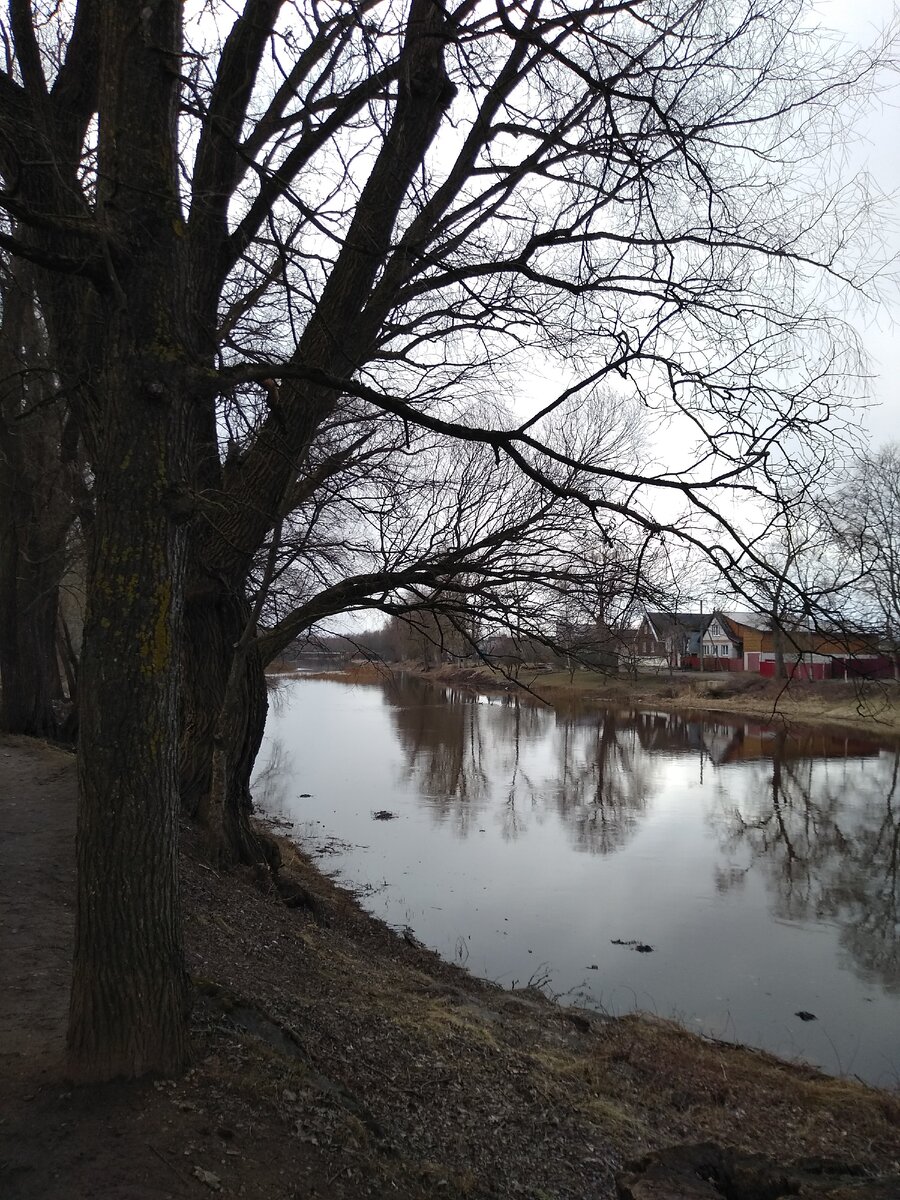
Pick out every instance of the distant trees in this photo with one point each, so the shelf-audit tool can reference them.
(866, 522)
(457, 544)
(805, 585)
(280, 252)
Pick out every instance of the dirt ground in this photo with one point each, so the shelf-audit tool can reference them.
(331, 1058)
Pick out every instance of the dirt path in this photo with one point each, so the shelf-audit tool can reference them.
(37, 880)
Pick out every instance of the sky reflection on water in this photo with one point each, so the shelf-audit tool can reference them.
(760, 864)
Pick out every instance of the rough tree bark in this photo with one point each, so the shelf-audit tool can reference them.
(35, 514)
(129, 991)
(215, 621)
(127, 1014)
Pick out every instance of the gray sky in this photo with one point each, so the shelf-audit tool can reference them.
(879, 152)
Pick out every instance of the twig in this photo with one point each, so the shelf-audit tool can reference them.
(162, 1158)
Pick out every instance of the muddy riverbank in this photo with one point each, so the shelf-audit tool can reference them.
(334, 1058)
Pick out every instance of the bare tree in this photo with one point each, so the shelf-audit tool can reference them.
(866, 524)
(239, 222)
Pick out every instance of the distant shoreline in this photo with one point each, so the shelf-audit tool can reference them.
(869, 706)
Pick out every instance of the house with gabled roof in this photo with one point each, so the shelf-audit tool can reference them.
(732, 640)
(666, 639)
(753, 639)
(724, 633)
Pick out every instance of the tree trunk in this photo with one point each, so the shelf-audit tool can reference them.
(222, 726)
(29, 670)
(138, 413)
(35, 507)
(226, 808)
(780, 668)
(129, 989)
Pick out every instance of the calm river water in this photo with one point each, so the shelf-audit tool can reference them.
(761, 865)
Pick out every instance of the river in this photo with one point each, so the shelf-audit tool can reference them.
(721, 872)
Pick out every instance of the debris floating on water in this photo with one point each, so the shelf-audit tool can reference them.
(384, 814)
(640, 947)
(805, 1016)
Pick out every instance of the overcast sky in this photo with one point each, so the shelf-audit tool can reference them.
(879, 152)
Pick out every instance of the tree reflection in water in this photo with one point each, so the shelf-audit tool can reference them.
(455, 749)
(462, 751)
(820, 821)
(825, 832)
(816, 815)
(603, 779)
(273, 778)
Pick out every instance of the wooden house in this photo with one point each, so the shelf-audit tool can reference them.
(752, 639)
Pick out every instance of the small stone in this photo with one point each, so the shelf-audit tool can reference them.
(212, 1181)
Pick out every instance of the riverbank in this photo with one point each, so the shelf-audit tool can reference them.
(863, 706)
(334, 1058)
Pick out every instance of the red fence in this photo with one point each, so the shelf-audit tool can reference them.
(880, 667)
(796, 670)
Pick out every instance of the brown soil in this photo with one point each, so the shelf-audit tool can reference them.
(334, 1059)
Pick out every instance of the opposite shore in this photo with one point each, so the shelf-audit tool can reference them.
(862, 705)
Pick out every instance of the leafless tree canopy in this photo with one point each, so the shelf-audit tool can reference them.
(427, 201)
(865, 523)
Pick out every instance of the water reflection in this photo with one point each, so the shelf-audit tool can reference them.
(603, 780)
(463, 755)
(760, 861)
(445, 749)
(828, 843)
(274, 774)
(466, 752)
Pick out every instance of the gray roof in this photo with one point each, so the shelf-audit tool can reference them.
(753, 620)
(666, 622)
